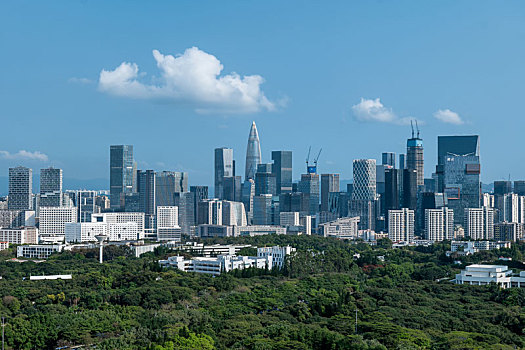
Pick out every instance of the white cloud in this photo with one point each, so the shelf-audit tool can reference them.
(194, 78)
(447, 116)
(22, 154)
(373, 110)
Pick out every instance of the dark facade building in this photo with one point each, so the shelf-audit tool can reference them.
(121, 175)
(282, 170)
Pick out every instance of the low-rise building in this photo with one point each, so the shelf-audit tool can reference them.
(343, 228)
(486, 274)
(80, 232)
(276, 254)
(259, 230)
(209, 231)
(4, 245)
(214, 266)
(471, 247)
(38, 251)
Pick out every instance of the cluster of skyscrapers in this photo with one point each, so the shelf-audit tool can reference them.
(391, 199)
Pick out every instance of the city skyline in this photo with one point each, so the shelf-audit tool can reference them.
(355, 80)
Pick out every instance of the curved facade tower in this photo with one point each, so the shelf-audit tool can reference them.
(253, 153)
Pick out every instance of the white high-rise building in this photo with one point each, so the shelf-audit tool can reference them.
(168, 228)
(521, 209)
(439, 224)
(364, 179)
(53, 221)
(401, 225)
(510, 208)
(233, 214)
(479, 223)
(488, 200)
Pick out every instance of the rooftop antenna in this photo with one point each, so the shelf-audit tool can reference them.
(308, 157)
(412, 126)
(417, 128)
(101, 239)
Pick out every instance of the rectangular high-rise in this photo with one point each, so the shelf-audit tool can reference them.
(309, 185)
(401, 225)
(389, 158)
(282, 170)
(439, 224)
(479, 223)
(166, 184)
(20, 188)
(414, 160)
(454, 146)
(50, 187)
(223, 168)
(329, 184)
(121, 173)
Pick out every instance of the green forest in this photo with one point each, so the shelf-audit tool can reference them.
(401, 298)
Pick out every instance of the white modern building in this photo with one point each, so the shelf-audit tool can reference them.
(233, 214)
(401, 225)
(80, 232)
(275, 255)
(168, 228)
(471, 247)
(38, 251)
(343, 228)
(53, 221)
(4, 245)
(259, 230)
(439, 224)
(214, 266)
(122, 218)
(486, 274)
(23, 235)
(16, 218)
(479, 223)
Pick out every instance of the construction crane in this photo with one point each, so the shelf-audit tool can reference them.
(417, 128)
(312, 169)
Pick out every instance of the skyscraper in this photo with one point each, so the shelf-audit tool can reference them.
(253, 153)
(519, 187)
(50, 187)
(329, 183)
(309, 185)
(389, 158)
(146, 189)
(121, 173)
(391, 190)
(454, 145)
(410, 189)
(166, 184)
(461, 183)
(20, 188)
(415, 157)
(223, 168)
(199, 193)
(502, 187)
(265, 181)
(439, 224)
(282, 170)
(232, 188)
(364, 179)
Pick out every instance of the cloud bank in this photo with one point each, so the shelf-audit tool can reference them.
(22, 154)
(191, 78)
(447, 116)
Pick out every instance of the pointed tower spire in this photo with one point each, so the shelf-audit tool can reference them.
(253, 153)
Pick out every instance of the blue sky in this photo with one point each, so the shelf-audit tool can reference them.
(341, 75)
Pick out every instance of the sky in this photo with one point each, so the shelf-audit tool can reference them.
(179, 78)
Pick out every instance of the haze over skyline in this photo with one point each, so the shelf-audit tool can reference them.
(177, 80)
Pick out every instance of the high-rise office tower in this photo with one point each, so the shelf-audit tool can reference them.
(389, 158)
(410, 189)
(185, 201)
(414, 158)
(461, 181)
(479, 223)
(265, 181)
(439, 224)
(50, 187)
(454, 145)
(401, 225)
(502, 187)
(121, 173)
(309, 185)
(232, 188)
(519, 187)
(146, 189)
(329, 184)
(223, 168)
(391, 190)
(282, 170)
(199, 193)
(262, 209)
(166, 184)
(247, 194)
(253, 153)
(364, 179)
(86, 205)
(20, 188)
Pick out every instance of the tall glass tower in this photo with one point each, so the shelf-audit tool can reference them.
(282, 169)
(20, 188)
(415, 157)
(50, 187)
(253, 153)
(224, 167)
(121, 173)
